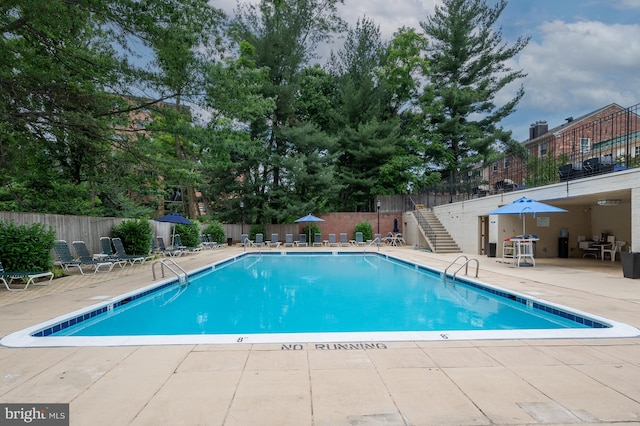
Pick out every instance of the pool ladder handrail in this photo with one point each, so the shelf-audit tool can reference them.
(465, 265)
(164, 263)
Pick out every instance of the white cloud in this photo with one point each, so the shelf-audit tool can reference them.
(580, 65)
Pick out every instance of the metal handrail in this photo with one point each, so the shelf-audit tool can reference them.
(465, 264)
(164, 263)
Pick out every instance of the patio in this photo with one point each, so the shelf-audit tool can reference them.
(479, 382)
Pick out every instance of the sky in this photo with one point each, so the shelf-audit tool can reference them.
(583, 54)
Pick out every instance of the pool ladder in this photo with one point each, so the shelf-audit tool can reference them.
(464, 265)
(165, 263)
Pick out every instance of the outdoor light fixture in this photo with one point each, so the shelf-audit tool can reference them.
(242, 220)
(609, 202)
(378, 207)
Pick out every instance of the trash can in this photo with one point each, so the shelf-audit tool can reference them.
(630, 264)
(229, 242)
(492, 249)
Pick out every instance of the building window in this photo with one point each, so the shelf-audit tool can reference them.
(495, 166)
(636, 151)
(507, 161)
(585, 145)
(543, 149)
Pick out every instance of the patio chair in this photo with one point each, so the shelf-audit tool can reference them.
(259, 242)
(317, 240)
(344, 241)
(86, 259)
(377, 239)
(302, 240)
(244, 240)
(274, 241)
(131, 258)
(177, 243)
(30, 276)
(65, 258)
(107, 251)
(617, 248)
(288, 240)
(162, 248)
(206, 242)
(332, 240)
(359, 239)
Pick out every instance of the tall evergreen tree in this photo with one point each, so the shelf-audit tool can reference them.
(468, 60)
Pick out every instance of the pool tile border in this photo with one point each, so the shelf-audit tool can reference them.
(36, 336)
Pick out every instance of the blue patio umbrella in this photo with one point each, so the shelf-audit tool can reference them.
(309, 218)
(174, 218)
(523, 206)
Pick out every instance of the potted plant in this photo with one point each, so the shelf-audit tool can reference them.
(630, 264)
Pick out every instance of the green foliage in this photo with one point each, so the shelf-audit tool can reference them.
(216, 231)
(189, 234)
(366, 229)
(469, 65)
(257, 229)
(311, 229)
(136, 235)
(26, 247)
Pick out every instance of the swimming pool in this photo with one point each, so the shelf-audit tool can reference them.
(324, 297)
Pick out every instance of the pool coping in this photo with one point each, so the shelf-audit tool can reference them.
(25, 338)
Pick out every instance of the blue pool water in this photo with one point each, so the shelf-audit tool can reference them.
(318, 293)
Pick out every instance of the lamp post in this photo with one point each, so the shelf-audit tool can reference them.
(242, 222)
(378, 208)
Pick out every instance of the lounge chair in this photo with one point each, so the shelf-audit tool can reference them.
(86, 259)
(244, 240)
(359, 239)
(332, 240)
(344, 241)
(206, 242)
(173, 252)
(377, 240)
(259, 242)
(30, 276)
(317, 240)
(65, 258)
(131, 258)
(107, 251)
(177, 243)
(288, 240)
(274, 241)
(302, 240)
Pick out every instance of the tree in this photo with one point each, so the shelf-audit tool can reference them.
(468, 60)
(284, 35)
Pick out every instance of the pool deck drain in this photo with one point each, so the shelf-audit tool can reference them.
(568, 381)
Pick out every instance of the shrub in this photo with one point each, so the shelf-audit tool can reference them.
(216, 231)
(366, 229)
(313, 228)
(136, 235)
(257, 229)
(189, 234)
(26, 247)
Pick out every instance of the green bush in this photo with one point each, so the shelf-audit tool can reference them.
(189, 234)
(366, 229)
(26, 247)
(313, 228)
(136, 235)
(257, 229)
(216, 231)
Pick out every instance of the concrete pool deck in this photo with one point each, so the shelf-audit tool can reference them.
(477, 382)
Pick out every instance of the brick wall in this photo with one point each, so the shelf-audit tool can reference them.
(335, 223)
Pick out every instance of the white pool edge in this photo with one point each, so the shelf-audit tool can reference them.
(24, 339)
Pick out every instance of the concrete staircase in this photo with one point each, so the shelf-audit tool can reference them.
(435, 233)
